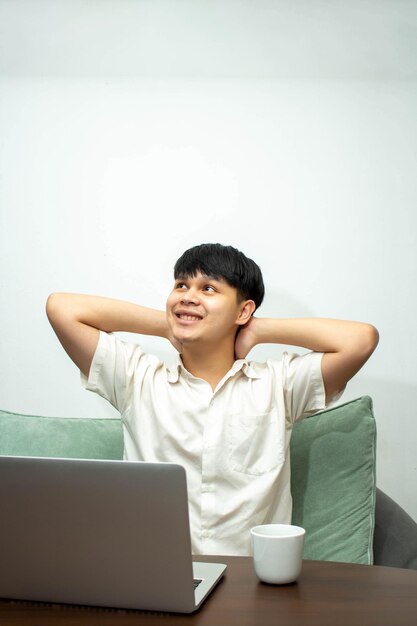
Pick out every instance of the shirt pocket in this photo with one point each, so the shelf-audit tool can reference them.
(256, 445)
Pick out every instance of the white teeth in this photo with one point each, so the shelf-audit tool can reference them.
(189, 318)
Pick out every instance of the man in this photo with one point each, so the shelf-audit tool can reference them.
(227, 420)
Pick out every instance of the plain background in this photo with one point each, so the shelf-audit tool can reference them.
(131, 130)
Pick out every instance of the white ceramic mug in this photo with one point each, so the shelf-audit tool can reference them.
(277, 552)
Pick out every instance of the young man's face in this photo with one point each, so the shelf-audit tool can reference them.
(201, 308)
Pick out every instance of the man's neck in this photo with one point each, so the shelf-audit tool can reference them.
(209, 365)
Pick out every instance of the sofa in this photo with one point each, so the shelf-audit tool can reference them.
(333, 478)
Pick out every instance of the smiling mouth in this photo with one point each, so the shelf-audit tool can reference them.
(188, 318)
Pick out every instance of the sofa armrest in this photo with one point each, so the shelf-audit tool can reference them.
(395, 535)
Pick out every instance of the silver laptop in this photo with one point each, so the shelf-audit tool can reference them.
(102, 533)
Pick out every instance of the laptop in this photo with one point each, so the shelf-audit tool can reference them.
(101, 533)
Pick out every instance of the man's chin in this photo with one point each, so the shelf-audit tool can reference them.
(187, 340)
(184, 341)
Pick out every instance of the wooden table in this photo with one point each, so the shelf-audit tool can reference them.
(326, 594)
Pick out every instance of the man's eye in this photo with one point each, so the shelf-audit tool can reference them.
(209, 288)
(180, 286)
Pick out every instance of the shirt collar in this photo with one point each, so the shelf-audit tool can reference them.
(174, 370)
(247, 367)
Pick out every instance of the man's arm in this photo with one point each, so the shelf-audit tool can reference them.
(346, 345)
(77, 319)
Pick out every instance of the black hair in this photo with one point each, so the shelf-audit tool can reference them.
(223, 262)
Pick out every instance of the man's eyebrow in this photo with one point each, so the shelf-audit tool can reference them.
(212, 277)
(208, 277)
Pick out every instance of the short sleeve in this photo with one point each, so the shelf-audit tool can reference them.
(114, 365)
(304, 392)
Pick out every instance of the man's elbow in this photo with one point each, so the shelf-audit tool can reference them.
(369, 340)
(58, 308)
(53, 305)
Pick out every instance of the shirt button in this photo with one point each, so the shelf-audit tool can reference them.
(205, 534)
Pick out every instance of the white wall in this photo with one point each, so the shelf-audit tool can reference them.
(132, 130)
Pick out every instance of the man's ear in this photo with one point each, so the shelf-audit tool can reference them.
(246, 309)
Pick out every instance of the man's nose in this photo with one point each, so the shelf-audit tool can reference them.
(190, 297)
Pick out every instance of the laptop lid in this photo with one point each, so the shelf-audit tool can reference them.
(96, 532)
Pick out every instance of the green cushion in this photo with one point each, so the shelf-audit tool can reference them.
(333, 482)
(67, 437)
(332, 476)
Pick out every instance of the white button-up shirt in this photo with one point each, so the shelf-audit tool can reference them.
(233, 442)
